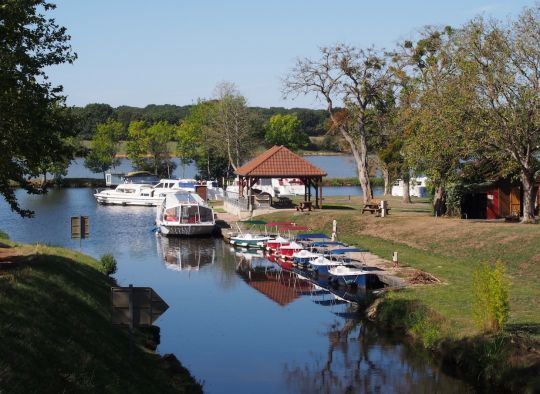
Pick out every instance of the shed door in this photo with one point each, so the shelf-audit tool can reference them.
(515, 203)
(493, 204)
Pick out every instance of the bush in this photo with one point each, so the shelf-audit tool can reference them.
(490, 305)
(3, 235)
(108, 264)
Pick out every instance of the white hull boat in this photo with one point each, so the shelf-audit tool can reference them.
(185, 214)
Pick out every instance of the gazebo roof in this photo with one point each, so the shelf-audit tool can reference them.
(279, 162)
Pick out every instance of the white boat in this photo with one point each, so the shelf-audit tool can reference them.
(131, 194)
(323, 265)
(139, 194)
(184, 213)
(348, 275)
(275, 187)
(417, 187)
(249, 240)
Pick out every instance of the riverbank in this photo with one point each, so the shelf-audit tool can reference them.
(56, 331)
(439, 315)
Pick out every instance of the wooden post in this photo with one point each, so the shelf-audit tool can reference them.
(320, 194)
(316, 195)
(131, 322)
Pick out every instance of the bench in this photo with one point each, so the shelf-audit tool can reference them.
(304, 205)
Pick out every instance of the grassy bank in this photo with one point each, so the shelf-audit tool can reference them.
(56, 331)
(440, 316)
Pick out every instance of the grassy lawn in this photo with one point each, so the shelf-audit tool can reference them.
(449, 249)
(56, 331)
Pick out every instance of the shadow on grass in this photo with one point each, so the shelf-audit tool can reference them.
(529, 328)
(339, 207)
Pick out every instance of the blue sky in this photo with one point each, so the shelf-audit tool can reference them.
(134, 52)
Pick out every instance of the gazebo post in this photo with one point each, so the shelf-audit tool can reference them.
(306, 186)
(320, 194)
(316, 186)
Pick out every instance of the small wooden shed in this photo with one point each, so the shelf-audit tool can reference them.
(495, 200)
(280, 162)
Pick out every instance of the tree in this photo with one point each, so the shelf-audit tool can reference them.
(434, 110)
(90, 116)
(231, 123)
(34, 123)
(355, 78)
(196, 140)
(104, 147)
(285, 130)
(148, 147)
(503, 63)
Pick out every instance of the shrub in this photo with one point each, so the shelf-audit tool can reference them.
(3, 235)
(490, 305)
(108, 264)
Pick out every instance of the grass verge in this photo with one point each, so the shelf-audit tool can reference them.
(56, 331)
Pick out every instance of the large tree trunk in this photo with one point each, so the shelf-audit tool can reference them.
(386, 177)
(527, 181)
(360, 157)
(406, 188)
(439, 202)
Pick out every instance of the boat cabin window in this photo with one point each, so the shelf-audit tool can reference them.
(190, 214)
(159, 185)
(205, 214)
(171, 215)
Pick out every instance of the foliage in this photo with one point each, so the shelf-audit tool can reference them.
(148, 147)
(33, 119)
(285, 130)
(502, 62)
(490, 291)
(354, 79)
(194, 142)
(4, 235)
(90, 116)
(104, 147)
(230, 124)
(107, 264)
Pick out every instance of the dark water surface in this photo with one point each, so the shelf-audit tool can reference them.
(273, 333)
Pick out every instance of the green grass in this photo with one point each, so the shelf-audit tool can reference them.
(57, 336)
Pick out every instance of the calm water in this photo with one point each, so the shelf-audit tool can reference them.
(335, 166)
(236, 334)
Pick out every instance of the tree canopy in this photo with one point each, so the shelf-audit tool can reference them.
(34, 123)
(285, 130)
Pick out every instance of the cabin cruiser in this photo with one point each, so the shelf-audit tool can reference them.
(140, 194)
(184, 213)
(275, 187)
(417, 187)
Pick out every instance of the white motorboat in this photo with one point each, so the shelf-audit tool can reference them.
(184, 213)
(131, 194)
(140, 194)
(322, 265)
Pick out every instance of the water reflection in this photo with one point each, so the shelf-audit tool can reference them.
(186, 254)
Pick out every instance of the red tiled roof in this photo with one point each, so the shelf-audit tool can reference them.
(279, 162)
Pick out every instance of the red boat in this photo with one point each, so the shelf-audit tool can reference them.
(287, 251)
(285, 264)
(274, 244)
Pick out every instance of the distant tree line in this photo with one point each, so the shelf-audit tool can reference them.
(311, 122)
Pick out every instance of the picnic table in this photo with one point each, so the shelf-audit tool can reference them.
(374, 206)
(304, 205)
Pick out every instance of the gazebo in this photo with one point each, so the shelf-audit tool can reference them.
(280, 162)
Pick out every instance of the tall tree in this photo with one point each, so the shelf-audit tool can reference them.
(503, 63)
(33, 121)
(104, 147)
(352, 78)
(149, 148)
(285, 130)
(231, 123)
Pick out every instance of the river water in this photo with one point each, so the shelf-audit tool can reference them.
(271, 333)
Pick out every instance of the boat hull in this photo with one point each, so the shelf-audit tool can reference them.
(187, 230)
(142, 201)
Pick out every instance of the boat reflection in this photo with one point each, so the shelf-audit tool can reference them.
(186, 254)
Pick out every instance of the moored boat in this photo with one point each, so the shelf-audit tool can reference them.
(348, 275)
(184, 213)
(274, 244)
(249, 240)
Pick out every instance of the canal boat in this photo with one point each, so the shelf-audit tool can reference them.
(131, 194)
(287, 251)
(186, 214)
(348, 275)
